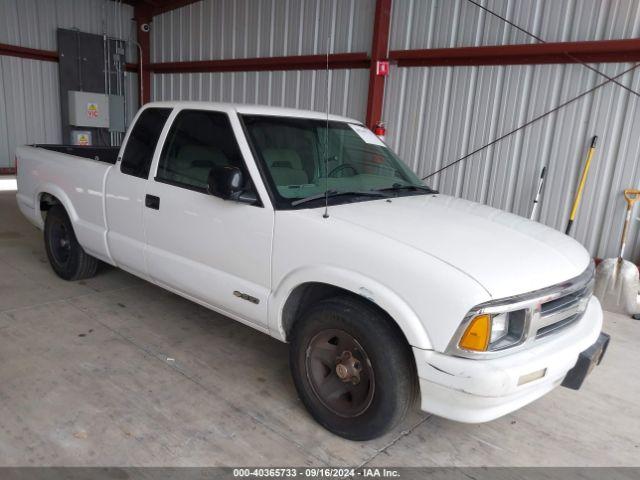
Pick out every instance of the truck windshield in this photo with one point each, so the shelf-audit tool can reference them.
(304, 157)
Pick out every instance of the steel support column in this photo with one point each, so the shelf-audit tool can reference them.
(379, 48)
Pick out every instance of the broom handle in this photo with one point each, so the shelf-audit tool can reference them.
(631, 196)
(583, 180)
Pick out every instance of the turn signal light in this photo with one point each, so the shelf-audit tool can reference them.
(476, 336)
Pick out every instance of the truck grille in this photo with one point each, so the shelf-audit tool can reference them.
(564, 311)
(537, 314)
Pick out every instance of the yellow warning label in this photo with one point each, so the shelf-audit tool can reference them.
(92, 110)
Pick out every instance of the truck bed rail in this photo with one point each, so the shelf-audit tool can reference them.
(101, 154)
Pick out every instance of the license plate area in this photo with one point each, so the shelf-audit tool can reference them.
(587, 361)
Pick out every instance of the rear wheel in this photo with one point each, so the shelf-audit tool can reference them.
(67, 258)
(352, 368)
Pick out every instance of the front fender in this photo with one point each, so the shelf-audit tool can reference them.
(354, 282)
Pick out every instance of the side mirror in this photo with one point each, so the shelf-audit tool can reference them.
(227, 183)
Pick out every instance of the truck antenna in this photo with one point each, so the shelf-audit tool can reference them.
(326, 143)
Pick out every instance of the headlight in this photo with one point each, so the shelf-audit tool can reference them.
(488, 332)
(499, 327)
(506, 325)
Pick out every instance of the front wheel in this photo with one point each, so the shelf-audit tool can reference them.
(67, 258)
(352, 368)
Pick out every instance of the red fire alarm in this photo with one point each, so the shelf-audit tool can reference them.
(382, 68)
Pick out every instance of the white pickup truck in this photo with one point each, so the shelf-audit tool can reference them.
(311, 230)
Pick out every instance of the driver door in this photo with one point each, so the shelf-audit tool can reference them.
(213, 251)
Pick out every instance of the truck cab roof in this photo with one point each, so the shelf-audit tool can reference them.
(242, 108)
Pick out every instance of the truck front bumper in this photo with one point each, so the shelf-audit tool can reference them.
(474, 391)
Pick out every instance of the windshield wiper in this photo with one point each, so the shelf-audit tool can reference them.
(336, 193)
(398, 188)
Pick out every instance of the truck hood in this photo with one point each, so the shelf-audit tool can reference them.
(505, 253)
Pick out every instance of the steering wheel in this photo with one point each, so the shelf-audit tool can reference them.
(344, 166)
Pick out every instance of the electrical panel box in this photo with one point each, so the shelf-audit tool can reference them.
(116, 114)
(87, 109)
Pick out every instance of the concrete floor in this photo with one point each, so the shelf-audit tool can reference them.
(115, 371)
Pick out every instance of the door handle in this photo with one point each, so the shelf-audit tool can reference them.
(151, 201)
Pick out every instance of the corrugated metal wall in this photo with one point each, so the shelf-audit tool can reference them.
(457, 23)
(304, 89)
(30, 106)
(436, 115)
(33, 23)
(223, 29)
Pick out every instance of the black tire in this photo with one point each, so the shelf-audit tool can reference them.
(67, 258)
(377, 344)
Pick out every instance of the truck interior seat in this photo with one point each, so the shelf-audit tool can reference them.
(193, 163)
(285, 166)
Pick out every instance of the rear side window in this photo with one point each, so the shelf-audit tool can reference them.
(142, 142)
(198, 141)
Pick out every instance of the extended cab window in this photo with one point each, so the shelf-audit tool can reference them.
(198, 141)
(142, 142)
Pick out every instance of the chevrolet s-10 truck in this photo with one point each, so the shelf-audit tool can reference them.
(310, 229)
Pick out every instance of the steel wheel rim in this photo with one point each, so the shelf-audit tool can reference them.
(340, 373)
(60, 243)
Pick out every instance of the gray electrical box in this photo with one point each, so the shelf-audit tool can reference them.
(116, 114)
(87, 109)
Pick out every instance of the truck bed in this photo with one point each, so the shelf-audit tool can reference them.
(76, 177)
(101, 154)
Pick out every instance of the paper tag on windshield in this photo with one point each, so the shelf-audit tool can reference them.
(367, 135)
